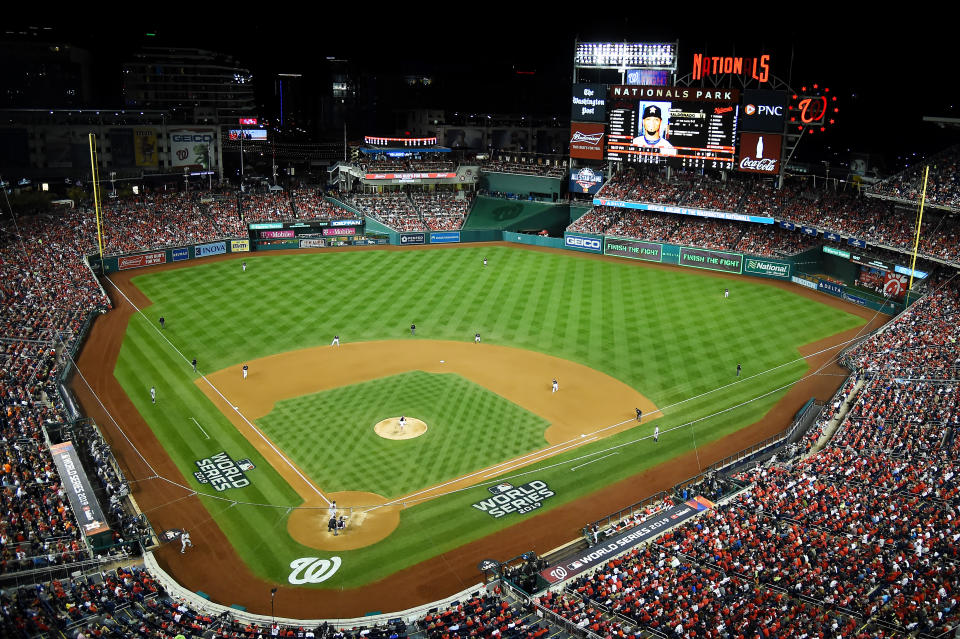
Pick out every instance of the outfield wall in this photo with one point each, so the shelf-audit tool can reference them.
(522, 185)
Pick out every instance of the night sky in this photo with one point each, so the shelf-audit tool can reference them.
(887, 77)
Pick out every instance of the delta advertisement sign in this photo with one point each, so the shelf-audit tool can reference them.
(587, 140)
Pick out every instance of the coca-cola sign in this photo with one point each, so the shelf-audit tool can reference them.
(760, 153)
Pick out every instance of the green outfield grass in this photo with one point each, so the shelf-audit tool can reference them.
(667, 332)
(468, 428)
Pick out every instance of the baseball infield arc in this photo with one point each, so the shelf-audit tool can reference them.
(520, 376)
(390, 428)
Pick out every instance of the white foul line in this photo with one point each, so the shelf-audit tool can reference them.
(201, 428)
(594, 460)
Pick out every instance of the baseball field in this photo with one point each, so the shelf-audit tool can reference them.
(251, 465)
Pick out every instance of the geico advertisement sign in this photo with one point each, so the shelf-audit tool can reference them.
(583, 243)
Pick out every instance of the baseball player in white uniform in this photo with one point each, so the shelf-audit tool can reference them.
(246, 369)
(656, 434)
(726, 293)
(476, 338)
(336, 341)
(403, 423)
(185, 542)
(244, 267)
(153, 395)
(651, 131)
(556, 386)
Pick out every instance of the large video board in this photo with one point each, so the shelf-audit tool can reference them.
(681, 126)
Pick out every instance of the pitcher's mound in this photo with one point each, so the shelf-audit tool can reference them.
(390, 428)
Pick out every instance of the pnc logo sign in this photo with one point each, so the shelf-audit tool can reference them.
(763, 109)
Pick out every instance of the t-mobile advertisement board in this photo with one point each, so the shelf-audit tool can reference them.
(760, 153)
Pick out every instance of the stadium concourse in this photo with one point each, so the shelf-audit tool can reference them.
(858, 539)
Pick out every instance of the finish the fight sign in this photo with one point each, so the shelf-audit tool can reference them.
(508, 498)
(222, 472)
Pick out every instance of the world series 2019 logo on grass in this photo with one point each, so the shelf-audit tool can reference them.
(508, 498)
(222, 472)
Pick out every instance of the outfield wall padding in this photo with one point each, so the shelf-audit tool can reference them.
(522, 185)
(515, 215)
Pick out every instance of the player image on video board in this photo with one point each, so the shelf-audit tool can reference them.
(654, 127)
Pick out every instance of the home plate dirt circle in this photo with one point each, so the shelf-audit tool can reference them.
(369, 520)
(390, 428)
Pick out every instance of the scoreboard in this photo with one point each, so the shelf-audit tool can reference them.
(680, 126)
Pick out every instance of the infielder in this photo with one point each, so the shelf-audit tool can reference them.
(476, 338)
(185, 542)
(413, 329)
(153, 395)
(556, 386)
(246, 369)
(162, 322)
(738, 369)
(639, 415)
(194, 362)
(656, 434)
(336, 341)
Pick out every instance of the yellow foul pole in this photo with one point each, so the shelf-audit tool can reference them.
(95, 174)
(916, 241)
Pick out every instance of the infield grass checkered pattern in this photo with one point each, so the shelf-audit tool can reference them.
(468, 428)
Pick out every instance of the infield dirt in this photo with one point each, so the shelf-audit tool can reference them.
(215, 567)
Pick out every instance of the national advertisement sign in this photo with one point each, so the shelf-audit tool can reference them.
(139, 261)
(340, 230)
(413, 238)
(583, 243)
(587, 140)
(74, 482)
(634, 249)
(180, 254)
(585, 181)
(830, 287)
(214, 248)
(610, 547)
(239, 246)
(711, 260)
(445, 237)
(770, 268)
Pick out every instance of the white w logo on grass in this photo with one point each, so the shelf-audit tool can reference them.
(313, 573)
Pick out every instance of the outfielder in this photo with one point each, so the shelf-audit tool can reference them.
(726, 293)
(153, 395)
(738, 369)
(244, 267)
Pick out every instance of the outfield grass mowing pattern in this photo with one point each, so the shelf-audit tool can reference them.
(667, 332)
(468, 428)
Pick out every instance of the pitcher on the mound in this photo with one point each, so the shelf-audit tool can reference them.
(403, 424)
